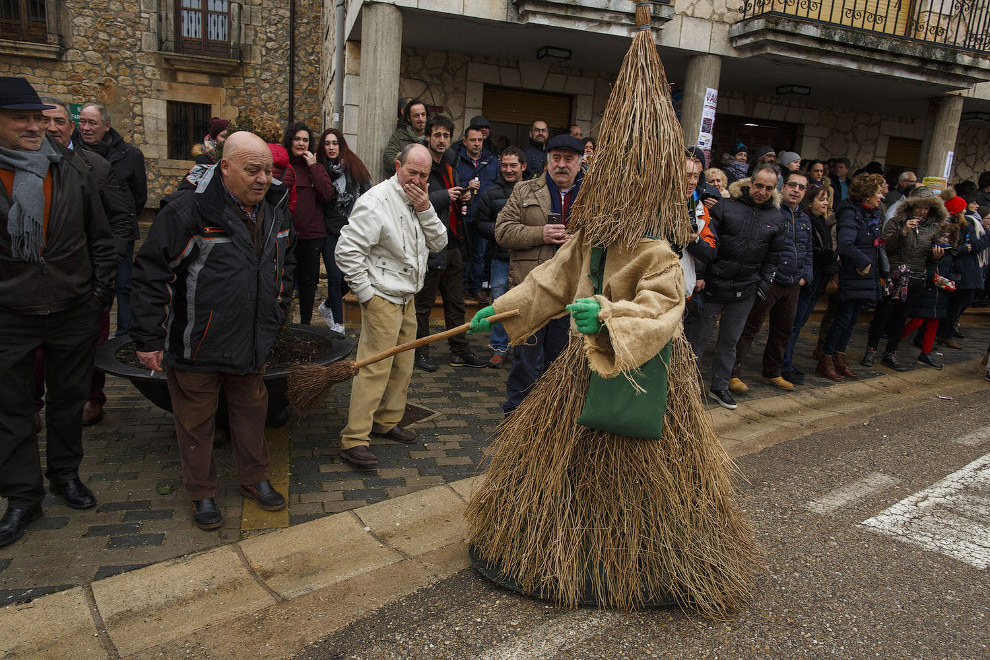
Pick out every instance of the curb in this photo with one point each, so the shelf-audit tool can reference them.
(280, 591)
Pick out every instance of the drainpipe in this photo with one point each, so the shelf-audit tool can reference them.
(292, 60)
(338, 67)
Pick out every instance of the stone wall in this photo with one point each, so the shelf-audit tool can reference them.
(972, 153)
(111, 55)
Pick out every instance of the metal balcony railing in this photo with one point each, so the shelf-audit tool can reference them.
(963, 24)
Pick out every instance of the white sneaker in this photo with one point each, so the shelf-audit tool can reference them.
(337, 327)
(327, 315)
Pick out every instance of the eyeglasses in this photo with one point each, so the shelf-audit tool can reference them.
(799, 186)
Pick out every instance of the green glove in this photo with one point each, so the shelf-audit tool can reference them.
(480, 321)
(584, 311)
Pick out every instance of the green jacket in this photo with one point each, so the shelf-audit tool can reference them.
(400, 138)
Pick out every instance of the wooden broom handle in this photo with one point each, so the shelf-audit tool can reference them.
(423, 341)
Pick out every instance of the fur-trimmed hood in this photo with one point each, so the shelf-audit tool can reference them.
(935, 207)
(740, 187)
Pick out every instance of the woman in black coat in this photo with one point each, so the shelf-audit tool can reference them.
(971, 255)
(932, 303)
(858, 241)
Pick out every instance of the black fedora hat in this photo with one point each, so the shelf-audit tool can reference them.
(18, 94)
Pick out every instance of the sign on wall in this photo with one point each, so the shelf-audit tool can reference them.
(705, 137)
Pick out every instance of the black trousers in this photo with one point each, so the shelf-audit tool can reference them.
(308, 252)
(449, 281)
(67, 340)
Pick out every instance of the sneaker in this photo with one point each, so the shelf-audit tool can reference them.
(468, 360)
(496, 361)
(423, 362)
(869, 358)
(736, 386)
(326, 314)
(929, 361)
(723, 398)
(780, 383)
(337, 327)
(890, 360)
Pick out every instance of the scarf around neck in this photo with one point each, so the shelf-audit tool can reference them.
(25, 220)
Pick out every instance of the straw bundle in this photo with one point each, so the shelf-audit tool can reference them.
(635, 185)
(567, 506)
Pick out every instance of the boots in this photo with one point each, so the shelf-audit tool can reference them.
(842, 367)
(826, 368)
(818, 353)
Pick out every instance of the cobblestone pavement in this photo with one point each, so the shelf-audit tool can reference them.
(132, 464)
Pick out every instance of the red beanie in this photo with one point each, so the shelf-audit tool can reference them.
(955, 205)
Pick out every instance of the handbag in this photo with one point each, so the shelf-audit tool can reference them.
(616, 404)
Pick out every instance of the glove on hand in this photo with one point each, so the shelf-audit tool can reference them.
(480, 321)
(584, 311)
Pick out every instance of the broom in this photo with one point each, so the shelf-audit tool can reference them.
(308, 382)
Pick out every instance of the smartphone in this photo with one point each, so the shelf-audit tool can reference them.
(553, 218)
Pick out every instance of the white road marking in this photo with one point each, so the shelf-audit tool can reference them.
(548, 639)
(949, 517)
(975, 438)
(849, 493)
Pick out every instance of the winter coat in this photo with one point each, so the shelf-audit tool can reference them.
(400, 138)
(536, 158)
(487, 170)
(313, 190)
(80, 261)
(825, 258)
(912, 247)
(384, 246)
(490, 204)
(201, 293)
(797, 259)
(857, 236)
(969, 254)
(127, 162)
(519, 227)
(750, 240)
(284, 172)
(735, 170)
(932, 302)
(440, 199)
(698, 253)
(335, 213)
(115, 205)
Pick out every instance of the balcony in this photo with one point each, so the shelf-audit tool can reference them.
(939, 41)
(615, 17)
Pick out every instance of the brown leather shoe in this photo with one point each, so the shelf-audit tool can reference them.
(92, 413)
(842, 366)
(950, 343)
(360, 456)
(826, 368)
(399, 434)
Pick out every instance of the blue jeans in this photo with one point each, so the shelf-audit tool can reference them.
(531, 359)
(500, 284)
(335, 279)
(124, 291)
(842, 327)
(806, 304)
(476, 270)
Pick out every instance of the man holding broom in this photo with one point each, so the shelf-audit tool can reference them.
(382, 252)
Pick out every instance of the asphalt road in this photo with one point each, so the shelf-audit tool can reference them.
(876, 540)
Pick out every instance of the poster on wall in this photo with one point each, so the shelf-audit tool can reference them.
(706, 131)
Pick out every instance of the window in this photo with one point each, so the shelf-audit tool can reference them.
(23, 20)
(187, 125)
(204, 27)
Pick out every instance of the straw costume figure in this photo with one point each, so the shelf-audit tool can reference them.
(630, 505)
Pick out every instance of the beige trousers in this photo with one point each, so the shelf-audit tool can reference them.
(378, 391)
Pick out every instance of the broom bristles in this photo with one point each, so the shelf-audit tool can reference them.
(309, 382)
(635, 185)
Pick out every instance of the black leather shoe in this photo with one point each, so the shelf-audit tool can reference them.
(399, 434)
(267, 497)
(14, 521)
(206, 515)
(929, 361)
(75, 493)
(890, 359)
(423, 362)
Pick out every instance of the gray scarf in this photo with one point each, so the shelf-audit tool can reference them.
(27, 213)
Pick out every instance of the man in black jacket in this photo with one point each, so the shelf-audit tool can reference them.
(513, 164)
(57, 264)
(750, 239)
(212, 285)
(127, 162)
(536, 150)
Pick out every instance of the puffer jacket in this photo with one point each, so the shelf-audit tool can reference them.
(932, 302)
(199, 290)
(857, 238)
(490, 204)
(750, 240)
(912, 247)
(383, 248)
(825, 258)
(487, 171)
(971, 253)
(80, 260)
(797, 259)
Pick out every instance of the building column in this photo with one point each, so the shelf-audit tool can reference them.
(381, 50)
(941, 129)
(703, 71)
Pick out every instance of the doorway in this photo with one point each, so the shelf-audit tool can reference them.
(730, 130)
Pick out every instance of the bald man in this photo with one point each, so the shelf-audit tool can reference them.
(205, 314)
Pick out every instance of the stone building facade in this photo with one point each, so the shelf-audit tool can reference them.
(126, 55)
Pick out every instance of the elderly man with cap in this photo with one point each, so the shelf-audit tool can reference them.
(57, 275)
(532, 226)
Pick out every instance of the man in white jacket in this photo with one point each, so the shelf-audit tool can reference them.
(382, 252)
